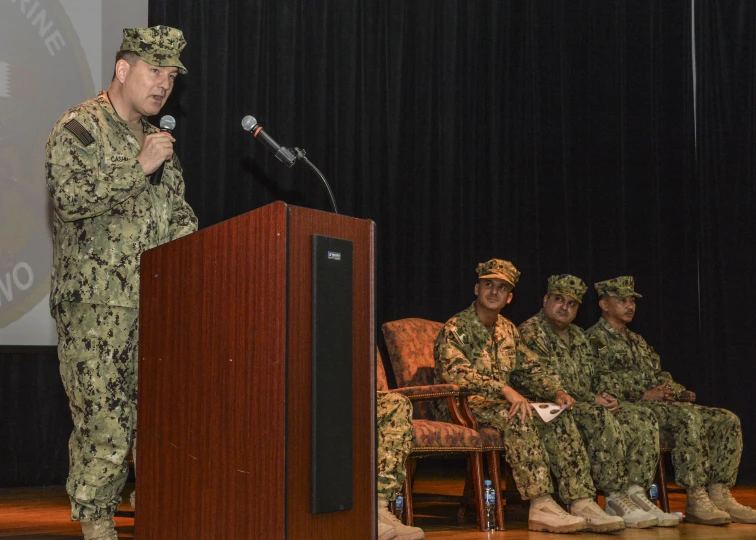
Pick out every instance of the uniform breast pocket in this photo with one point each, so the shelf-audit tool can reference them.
(507, 357)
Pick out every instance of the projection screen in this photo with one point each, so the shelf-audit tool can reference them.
(53, 55)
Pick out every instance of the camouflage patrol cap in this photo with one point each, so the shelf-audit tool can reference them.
(157, 45)
(620, 287)
(569, 285)
(498, 269)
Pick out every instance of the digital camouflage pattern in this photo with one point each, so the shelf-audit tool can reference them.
(394, 425)
(106, 211)
(467, 355)
(567, 284)
(158, 45)
(572, 365)
(498, 269)
(623, 448)
(97, 351)
(627, 366)
(708, 441)
(621, 287)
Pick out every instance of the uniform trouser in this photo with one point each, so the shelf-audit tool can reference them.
(394, 425)
(535, 447)
(708, 442)
(97, 351)
(623, 448)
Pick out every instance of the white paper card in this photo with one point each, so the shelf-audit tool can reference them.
(547, 411)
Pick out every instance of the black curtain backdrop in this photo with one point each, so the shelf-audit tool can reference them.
(559, 135)
(726, 171)
(563, 136)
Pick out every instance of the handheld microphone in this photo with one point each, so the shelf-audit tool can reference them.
(167, 124)
(283, 154)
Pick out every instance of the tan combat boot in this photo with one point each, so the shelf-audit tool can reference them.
(99, 529)
(638, 495)
(546, 515)
(385, 532)
(618, 503)
(722, 498)
(403, 532)
(597, 520)
(700, 509)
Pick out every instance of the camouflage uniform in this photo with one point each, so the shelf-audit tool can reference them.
(467, 355)
(106, 214)
(394, 424)
(623, 448)
(708, 441)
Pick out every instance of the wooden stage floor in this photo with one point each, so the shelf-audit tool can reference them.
(43, 514)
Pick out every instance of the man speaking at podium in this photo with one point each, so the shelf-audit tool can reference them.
(117, 190)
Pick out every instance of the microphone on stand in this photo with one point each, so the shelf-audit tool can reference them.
(167, 124)
(284, 155)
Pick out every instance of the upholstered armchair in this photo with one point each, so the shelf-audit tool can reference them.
(432, 437)
(410, 346)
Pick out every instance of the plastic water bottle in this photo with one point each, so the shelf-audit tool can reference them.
(490, 506)
(653, 492)
(399, 506)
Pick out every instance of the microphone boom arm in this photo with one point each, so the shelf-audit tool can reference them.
(299, 154)
(287, 156)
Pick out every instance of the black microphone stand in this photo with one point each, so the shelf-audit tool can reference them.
(299, 154)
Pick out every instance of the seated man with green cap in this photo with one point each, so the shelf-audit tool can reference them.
(480, 350)
(108, 210)
(708, 441)
(622, 439)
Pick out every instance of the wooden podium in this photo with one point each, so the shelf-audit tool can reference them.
(251, 424)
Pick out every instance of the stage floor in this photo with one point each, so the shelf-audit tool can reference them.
(43, 514)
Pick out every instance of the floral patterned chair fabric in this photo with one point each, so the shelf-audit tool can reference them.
(411, 341)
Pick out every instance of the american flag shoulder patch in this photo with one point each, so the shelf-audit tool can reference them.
(79, 132)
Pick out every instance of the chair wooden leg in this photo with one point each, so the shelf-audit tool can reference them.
(476, 459)
(494, 472)
(661, 482)
(408, 517)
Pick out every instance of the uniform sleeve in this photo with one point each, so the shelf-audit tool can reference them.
(662, 377)
(81, 183)
(604, 379)
(454, 367)
(533, 338)
(183, 220)
(534, 375)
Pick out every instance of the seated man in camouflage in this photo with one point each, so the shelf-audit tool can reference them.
(394, 424)
(480, 350)
(622, 439)
(708, 441)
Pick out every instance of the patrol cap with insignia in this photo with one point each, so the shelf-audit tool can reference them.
(620, 287)
(567, 284)
(157, 45)
(498, 269)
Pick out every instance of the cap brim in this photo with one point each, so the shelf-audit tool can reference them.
(167, 62)
(498, 276)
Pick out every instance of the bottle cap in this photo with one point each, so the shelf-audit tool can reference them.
(487, 483)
